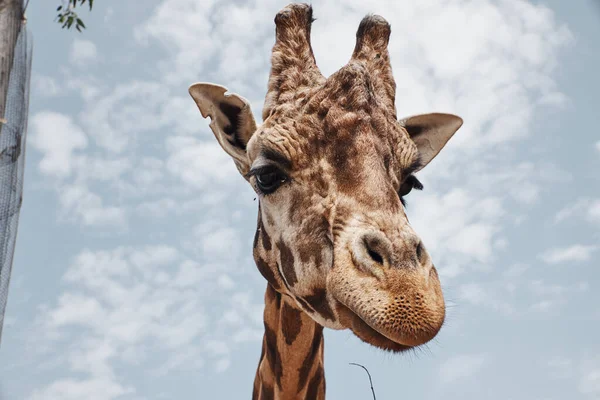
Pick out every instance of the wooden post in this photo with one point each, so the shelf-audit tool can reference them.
(11, 17)
(11, 22)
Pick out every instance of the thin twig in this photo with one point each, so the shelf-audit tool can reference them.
(370, 380)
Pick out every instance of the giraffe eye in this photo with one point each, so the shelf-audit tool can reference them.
(405, 189)
(269, 179)
(409, 184)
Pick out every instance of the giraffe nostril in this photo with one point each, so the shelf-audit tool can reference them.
(375, 256)
(373, 251)
(419, 250)
(375, 248)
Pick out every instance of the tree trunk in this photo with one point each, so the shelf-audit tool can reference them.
(11, 15)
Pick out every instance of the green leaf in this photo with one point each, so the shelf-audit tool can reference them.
(67, 16)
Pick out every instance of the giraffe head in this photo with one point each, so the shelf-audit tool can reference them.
(331, 163)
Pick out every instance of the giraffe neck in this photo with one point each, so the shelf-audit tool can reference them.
(291, 362)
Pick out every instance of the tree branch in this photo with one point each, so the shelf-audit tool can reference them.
(370, 380)
(67, 15)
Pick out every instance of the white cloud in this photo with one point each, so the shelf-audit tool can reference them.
(583, 373)
(149, 172)
(496, 297)
(57, 137)
(571, 210)
(200, 163)
(473, 293)
(79, 203)
(515, 295)
(215, 240)
(109, 13)
(45, 86)
(222, 365)
(575, 253)
(87, 86)
(157, 208)
(113, 120)
(127, 299)
(516, 270)
(589, 382)
(461, 367)
(598, 145)
(458, 228)
(548, 297)
(101, 168)
(73, 389)
(584, 207)
(225, 282)
(200, 33)
(62, 142)
(83, 52)
(594, 211)
(540, 288)
(561, 367)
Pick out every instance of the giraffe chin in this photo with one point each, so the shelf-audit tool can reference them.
(367, 334)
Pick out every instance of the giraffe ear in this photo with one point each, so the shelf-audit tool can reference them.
(431, 132)
(232, 121)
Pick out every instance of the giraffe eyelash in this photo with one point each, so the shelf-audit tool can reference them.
(259, 170)
(414, 184)
(269, 170)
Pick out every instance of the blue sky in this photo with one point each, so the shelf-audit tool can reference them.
(133, 276)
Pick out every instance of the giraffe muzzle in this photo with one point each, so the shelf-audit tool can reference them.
(396, 296)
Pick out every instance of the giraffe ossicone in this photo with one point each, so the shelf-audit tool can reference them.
(330, 163)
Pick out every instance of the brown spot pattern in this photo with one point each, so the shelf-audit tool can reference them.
(272, 354)
(265, 239)
(310, 358)
(318, 301)
(313, 386)
(304, 304)
(267, 272)
(291, 323)
(287, 263)
(267, 392)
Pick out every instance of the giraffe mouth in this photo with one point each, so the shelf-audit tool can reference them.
(398, 310)
(366, 333)
(386, 336)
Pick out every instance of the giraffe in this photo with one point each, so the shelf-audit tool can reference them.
(331, 164)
